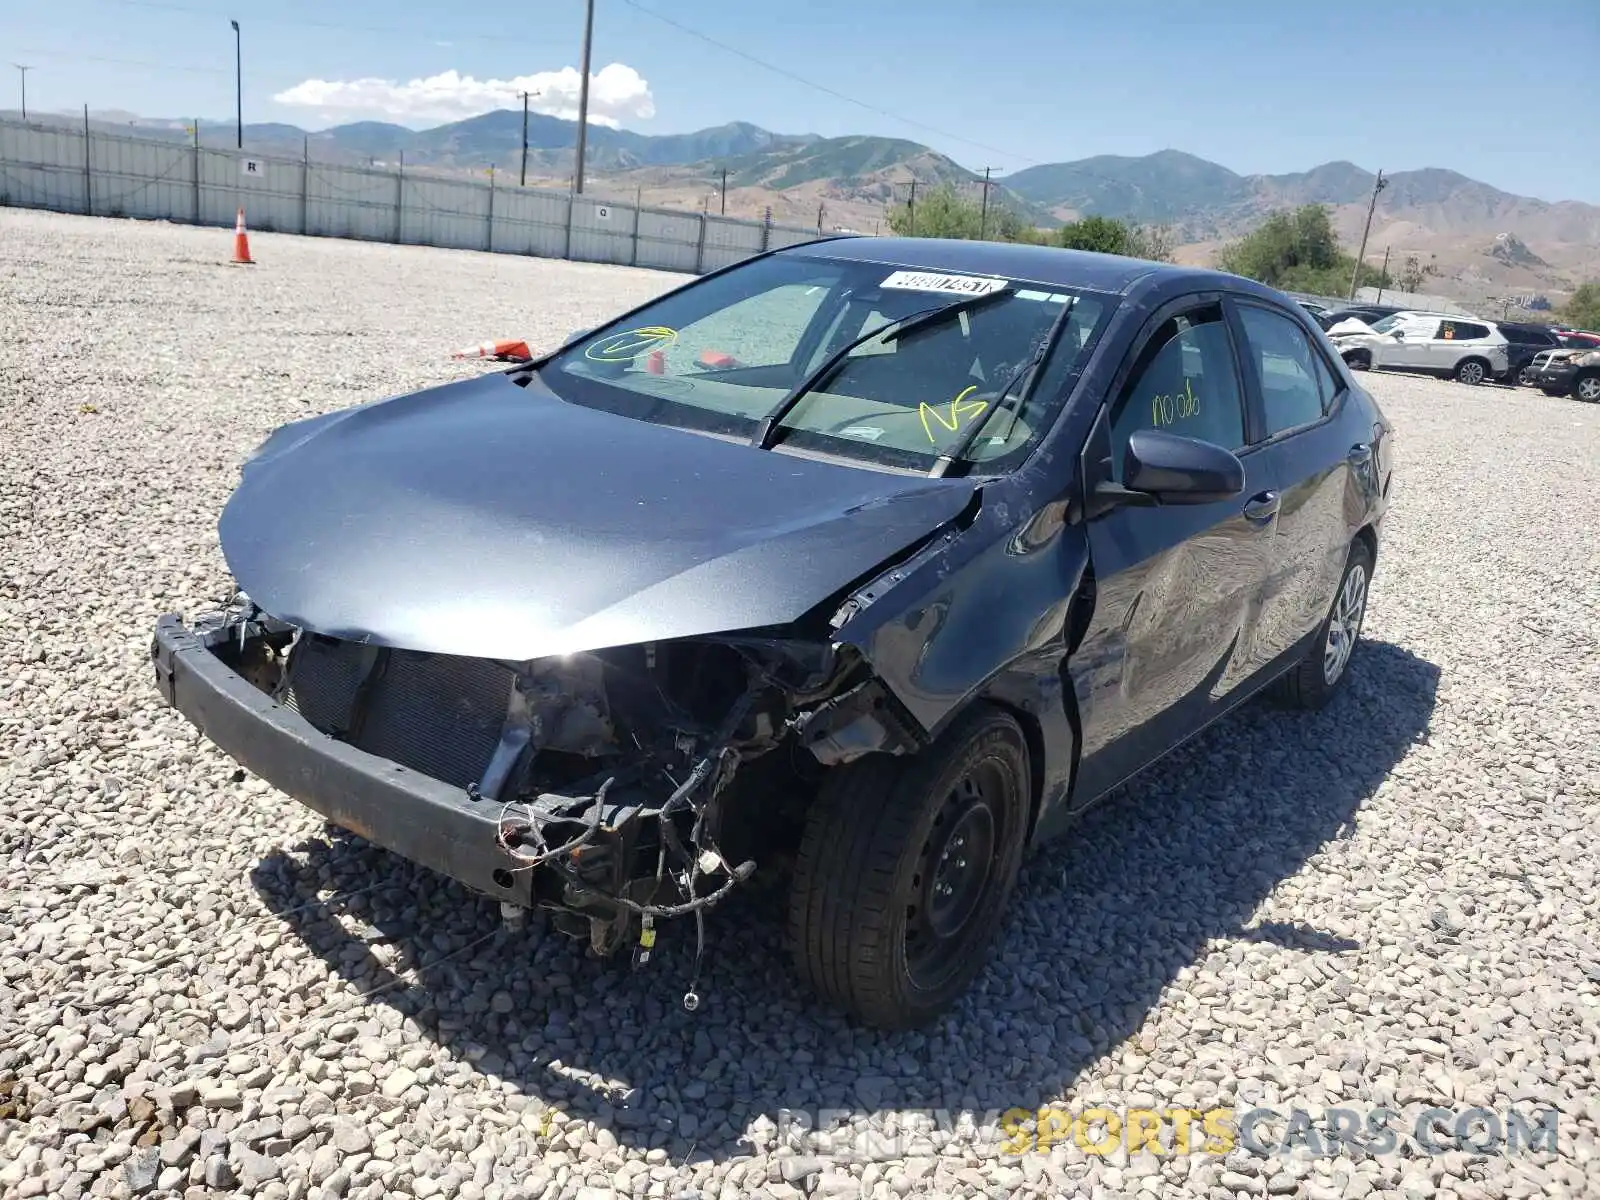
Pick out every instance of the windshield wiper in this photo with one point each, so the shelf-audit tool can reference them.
(925, 318)
(963, 443)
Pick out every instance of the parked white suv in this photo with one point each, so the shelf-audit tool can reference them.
(1456, 347)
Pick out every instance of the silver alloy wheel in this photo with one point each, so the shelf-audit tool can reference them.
(1589, 389)
(1470, 372)
(1344, 626)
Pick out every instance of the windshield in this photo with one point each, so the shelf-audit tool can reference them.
(1388, 323)
(723, 354)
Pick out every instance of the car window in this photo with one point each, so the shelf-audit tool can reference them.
(1285, 364)
(1461, 331)
(1388, 323)
(1183, 382)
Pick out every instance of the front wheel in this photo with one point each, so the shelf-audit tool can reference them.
(1358, 361)
(1312, 681)
(1525, 377)
(905, 868)
(1586, 387)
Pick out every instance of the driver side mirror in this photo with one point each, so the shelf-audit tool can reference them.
(1399, 335)
(1166, 468)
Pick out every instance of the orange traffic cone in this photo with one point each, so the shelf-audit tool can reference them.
(241, 241)
(513, 350)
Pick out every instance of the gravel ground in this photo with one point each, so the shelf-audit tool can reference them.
(205, 991)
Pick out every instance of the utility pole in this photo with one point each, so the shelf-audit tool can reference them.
(1378, 185)
(523, 181)
(820, 209)
(1384, 273)
(583, 97)
(238, 84)
(723, 191)
(23, 71)
(911, 211)
(983, 211)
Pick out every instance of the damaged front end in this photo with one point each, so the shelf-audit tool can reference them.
(611, 787)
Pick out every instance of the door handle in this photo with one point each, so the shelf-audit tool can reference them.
(1262, 507)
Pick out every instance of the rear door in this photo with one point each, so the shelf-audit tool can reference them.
(1320, 463)
(1176, 588)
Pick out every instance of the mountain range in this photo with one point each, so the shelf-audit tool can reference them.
(1479, 240)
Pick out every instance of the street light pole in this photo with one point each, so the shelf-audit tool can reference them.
(23, 71)
(238, 84)
(583, 97)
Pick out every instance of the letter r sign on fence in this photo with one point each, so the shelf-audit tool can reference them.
(251, 166)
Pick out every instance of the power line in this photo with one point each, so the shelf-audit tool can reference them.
(124, 62)
(823, 88)
(452, 34)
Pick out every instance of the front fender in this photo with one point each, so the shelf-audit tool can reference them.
(983, 613)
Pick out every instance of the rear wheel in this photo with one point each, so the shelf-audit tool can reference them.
(904, 869)
(1472, 371)
(1586, 387)
(1312, 682)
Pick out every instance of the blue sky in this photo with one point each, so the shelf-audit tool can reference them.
(1489, 89)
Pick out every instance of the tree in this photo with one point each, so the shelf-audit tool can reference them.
(1297, 251)
(1100, 234)
(1415, 273)
(1583, 310)
(942, 212)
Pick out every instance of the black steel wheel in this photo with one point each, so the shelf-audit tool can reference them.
(905, 868)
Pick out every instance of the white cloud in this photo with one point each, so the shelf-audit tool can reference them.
(617, 93)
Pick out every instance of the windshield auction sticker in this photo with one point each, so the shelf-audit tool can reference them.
(929, 281)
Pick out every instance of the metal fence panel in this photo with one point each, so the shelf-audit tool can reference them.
(527, 221)
(45, 166)
(601, 231)
(445, 212)
(42, 168)
(141, 179)
(668, 240)
(728, 240)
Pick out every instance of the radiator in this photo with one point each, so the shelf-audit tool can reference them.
(438, 714)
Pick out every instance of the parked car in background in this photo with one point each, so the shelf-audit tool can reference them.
(1444, 344)
(1569, 371)
(885, 557)
(1523, 343)
(1578, 339)
(1367, 313)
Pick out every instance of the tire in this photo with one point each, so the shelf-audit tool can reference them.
(868, 929)
(1472, 371)
(1358, 360)
(1586, 387)
(1312, 682)
(1525, 377)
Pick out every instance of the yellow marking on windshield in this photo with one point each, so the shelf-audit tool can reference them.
(959, 407)
(620, 347)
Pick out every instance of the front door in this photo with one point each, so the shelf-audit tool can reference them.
(1176, 586)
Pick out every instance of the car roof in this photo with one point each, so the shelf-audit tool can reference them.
(1038, 264)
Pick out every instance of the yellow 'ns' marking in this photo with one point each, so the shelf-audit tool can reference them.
(959, 407)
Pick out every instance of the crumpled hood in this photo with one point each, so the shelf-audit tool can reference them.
(483, 518)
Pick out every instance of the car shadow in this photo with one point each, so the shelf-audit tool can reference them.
(1104, 919)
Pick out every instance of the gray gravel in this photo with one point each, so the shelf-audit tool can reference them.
(205, 991)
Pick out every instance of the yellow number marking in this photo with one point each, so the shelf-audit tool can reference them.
(959, 407)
